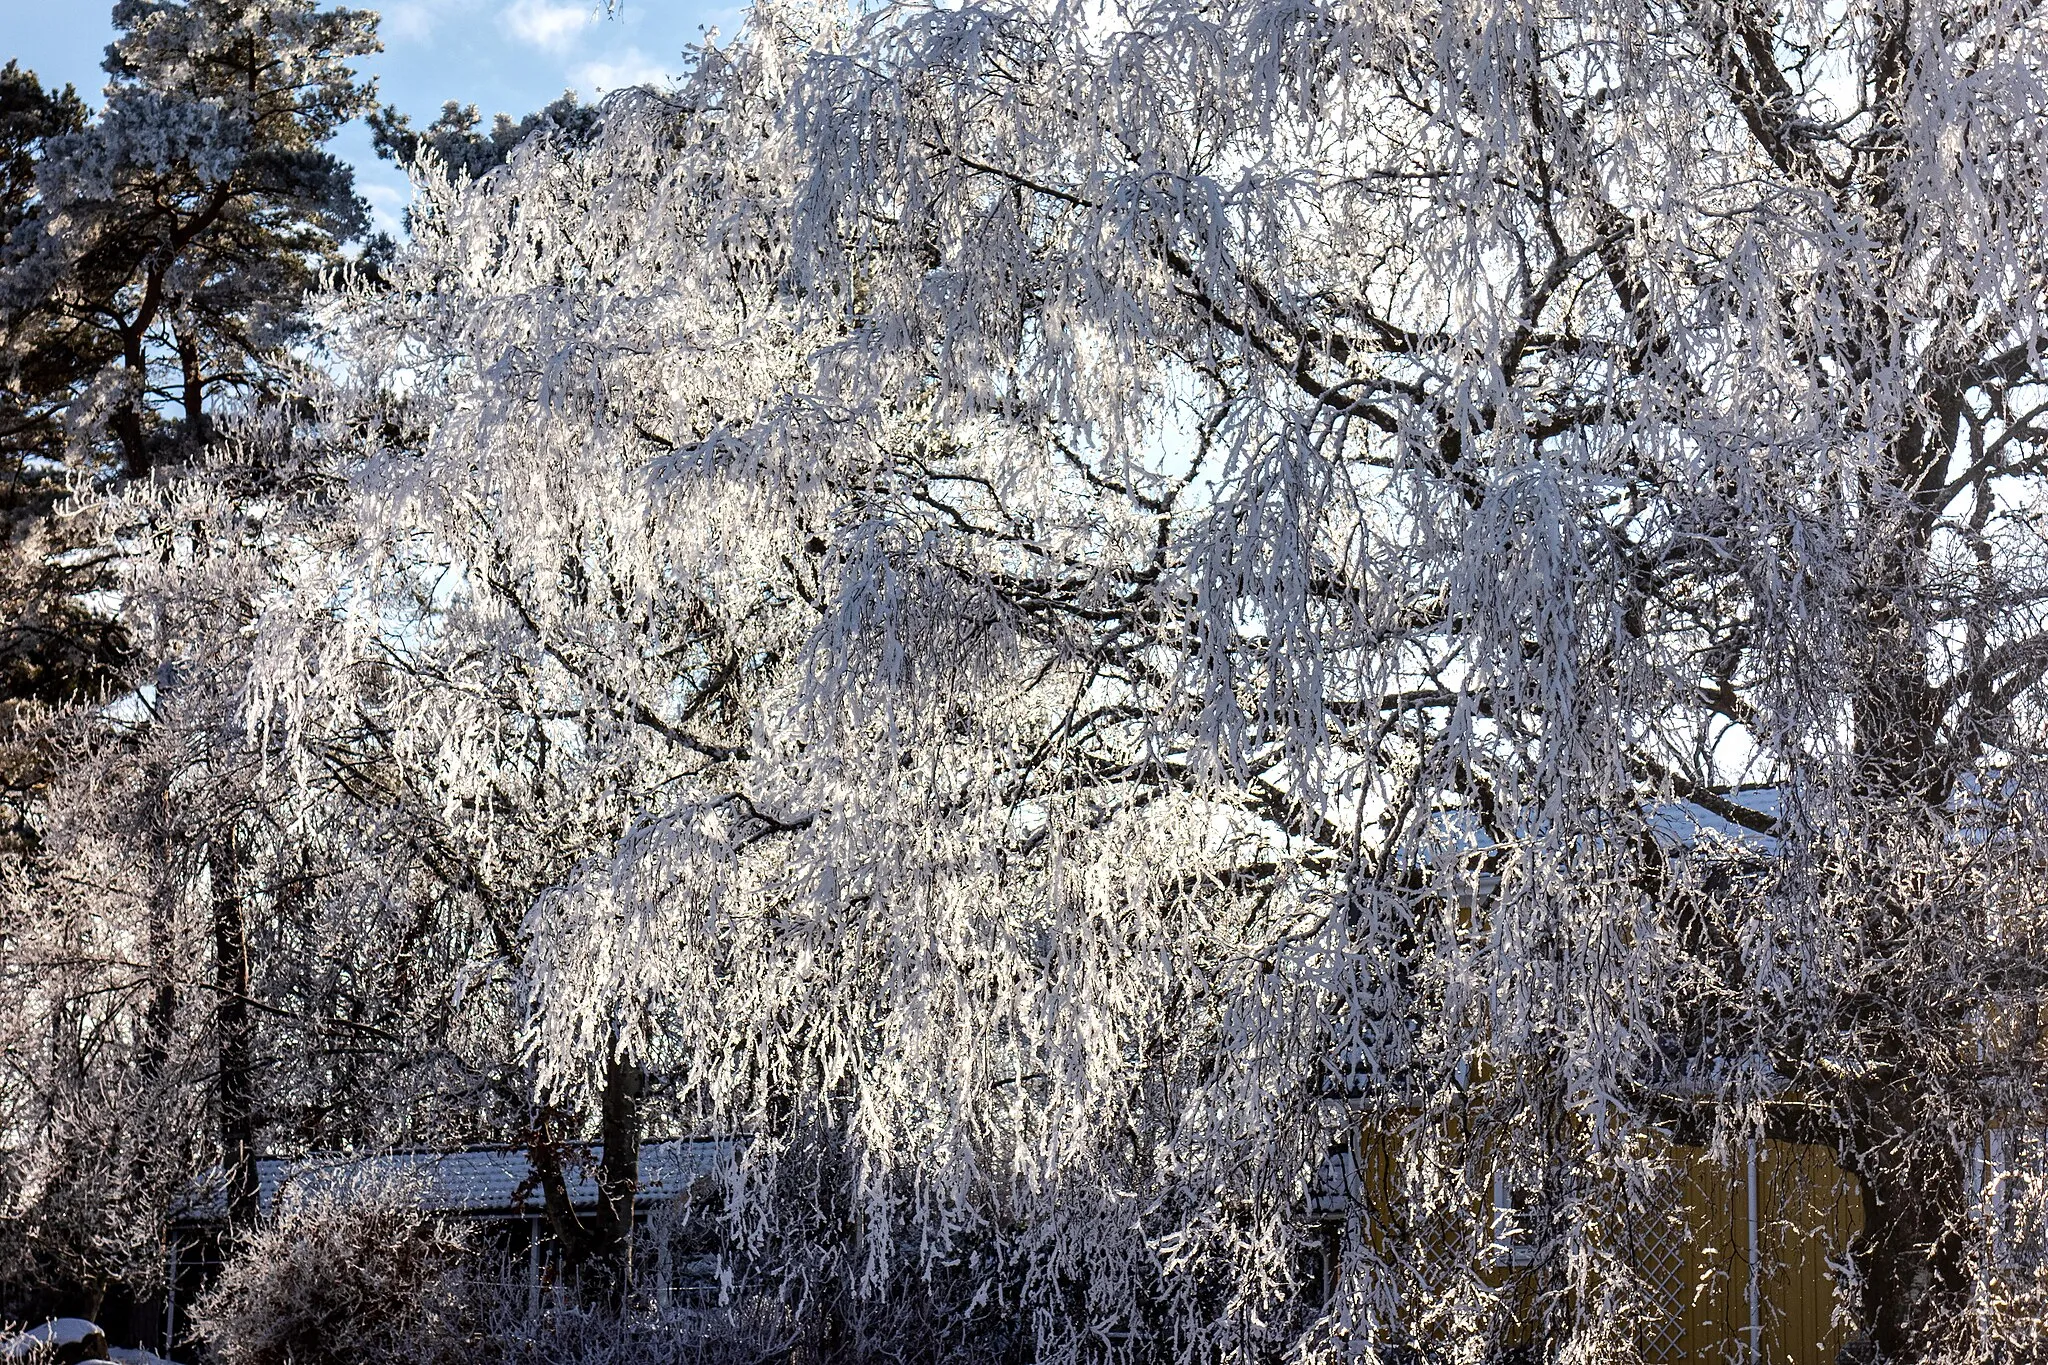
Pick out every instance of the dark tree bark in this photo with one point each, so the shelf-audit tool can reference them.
(618, 1179)
(163, 897)
(234, 1034)
(596, 1248)
(192, 396)
(1915, 1286)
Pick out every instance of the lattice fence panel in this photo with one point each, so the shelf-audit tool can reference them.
(1658, 1258)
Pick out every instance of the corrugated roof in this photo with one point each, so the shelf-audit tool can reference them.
(474, 1180)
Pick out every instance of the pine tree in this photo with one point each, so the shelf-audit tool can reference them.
(51, 645)
(173, 239)
(455, 145)
(30, 118)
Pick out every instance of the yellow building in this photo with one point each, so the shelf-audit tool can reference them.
(1739, 1269)
(1751, 1282)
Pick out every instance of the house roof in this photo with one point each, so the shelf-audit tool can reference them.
(472, 1180)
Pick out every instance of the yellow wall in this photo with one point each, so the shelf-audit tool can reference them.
(1699, 1257)
(1807, 1212)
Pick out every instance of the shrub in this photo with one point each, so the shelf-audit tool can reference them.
(354, 1275)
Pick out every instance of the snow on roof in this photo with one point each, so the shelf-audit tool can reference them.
(1688, 824)
(475, 1180)
(54, 1333)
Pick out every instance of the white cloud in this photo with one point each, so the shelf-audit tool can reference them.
(387, 206)
(548, 26)
(630, 67)
(407, 23)
(417, 21)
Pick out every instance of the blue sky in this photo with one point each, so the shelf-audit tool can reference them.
(509, 55)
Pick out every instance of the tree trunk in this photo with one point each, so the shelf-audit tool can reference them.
(618, 1180)
(193, 396)
(134, 449)
(163, 992)
(596, 1250)
(162, 1010)
(135, 454)
(1910, 1253)
(1910, 1256)
(544, 1152)
(234, 1035)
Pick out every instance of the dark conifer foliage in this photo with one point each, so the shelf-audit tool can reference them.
(456, 143)
(168, 242)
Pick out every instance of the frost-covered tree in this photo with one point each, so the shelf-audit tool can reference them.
(30, 117)
(195, 970)
(1599, 407)
(528, 648)
(175, 236)
(1318, 498)
(861, 874)
(153, 263)
(1052, 611)
(53, 646)
(152, 275)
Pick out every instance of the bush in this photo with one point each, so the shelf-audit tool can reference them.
(343, 1276)
(748, 1332)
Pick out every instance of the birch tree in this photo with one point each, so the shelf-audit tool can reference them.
(526, 649)
(1610, 406)
(1471, 576)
